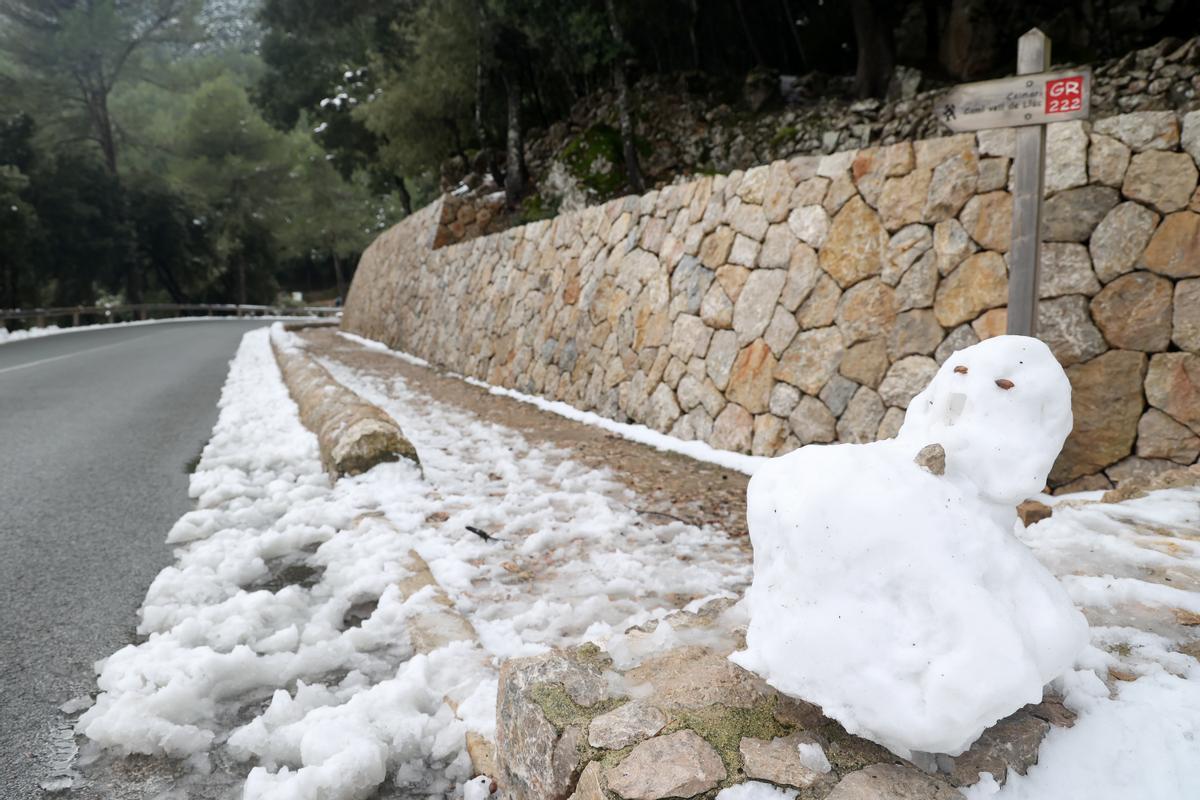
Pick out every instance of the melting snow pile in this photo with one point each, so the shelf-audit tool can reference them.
(259, 657)
(896, 597)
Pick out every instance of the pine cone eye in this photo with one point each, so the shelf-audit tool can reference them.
(960, 369)
(1004, 383)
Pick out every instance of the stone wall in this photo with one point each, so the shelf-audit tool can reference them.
(808, 300)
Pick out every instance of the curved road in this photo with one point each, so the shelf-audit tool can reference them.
(97, 432)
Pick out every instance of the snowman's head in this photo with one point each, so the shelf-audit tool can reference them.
(1001, 409)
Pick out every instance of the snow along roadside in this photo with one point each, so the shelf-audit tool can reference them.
(700, 451)
(255, 662)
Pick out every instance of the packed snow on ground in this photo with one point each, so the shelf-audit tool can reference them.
(248, 657)
(898, 600)
(692, 448)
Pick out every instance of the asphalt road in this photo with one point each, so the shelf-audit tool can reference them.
(97, 429)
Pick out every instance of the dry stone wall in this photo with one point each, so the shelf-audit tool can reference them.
(809, 300)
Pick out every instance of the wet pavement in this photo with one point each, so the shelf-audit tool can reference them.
(97, 433)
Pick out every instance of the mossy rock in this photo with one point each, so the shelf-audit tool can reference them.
(594, 158)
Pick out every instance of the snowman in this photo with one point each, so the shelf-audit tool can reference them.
(889, 588)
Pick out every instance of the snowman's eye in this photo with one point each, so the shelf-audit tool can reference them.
(1004, 383)
(960, 369)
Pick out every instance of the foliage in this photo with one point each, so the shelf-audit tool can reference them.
(134, 166)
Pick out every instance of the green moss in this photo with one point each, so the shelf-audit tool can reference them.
(784, 134)
(560, 710)
(724, 727)
(536, 207)
(594, 158)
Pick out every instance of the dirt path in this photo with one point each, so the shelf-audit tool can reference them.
(672, 486)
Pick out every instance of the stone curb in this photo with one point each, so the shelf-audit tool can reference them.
(353, 434)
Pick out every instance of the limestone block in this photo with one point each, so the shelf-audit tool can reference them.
(750, 221)
(988, 220)
(625, 725)
(1142, 130)
(855, 247)
(810, 224)
(744, 251)
(993, 174)
(784, 399)
(998, 142)
(820, 307)
(689, 283)
(916, 332)
(781, 331)
(1066, 268)
(1106, 401)
(733, 429)
(930, 153)
(889, 426)
(1107, 161)
(1071, 216)
(905, 379)
(1174, 250)
(952, 245)
(865, 362)
(953, 183)
(860, 421)
(1185, 320)
(770, 434)
(906, 246)
(991, 323)
(1134, 312)
(979, 283)
(778, 761)
(959, 338)
(803, 272)
(722, 351)
(1067, 329)
(1160, 436)
(812, 359)
(716, 309)
(1164, 181)
(840, 191)
(811, 191)
(679, 765)
(756, 303)
(902, 201)
(837, 393)
(1120, 239)
(812, 421)
(777, 194)
(1012, 743)
(732, 278)
(777, 247)
(867, 310)
(1190, 140)
(752, 188)
(714, 250)
(1173, 386)
(918, 286)
(752, 377)
(1066, 156)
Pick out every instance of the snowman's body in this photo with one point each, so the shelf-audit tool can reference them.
(898, 599)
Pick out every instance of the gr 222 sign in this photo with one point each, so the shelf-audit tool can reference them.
(1036, 99)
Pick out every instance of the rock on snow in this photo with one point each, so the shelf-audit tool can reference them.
(898, 599)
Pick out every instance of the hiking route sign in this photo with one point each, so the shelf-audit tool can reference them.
(1021, 100)
(1027, 103)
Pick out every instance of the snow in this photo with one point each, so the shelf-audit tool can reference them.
(812, 756)
(756, 790)
(898, 600)
(1144, 743)
(245, 669)
(700, 451)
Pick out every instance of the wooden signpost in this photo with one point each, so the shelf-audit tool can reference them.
(1027, 102)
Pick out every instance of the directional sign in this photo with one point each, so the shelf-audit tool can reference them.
(1022, 100)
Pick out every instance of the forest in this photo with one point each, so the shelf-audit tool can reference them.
(231, 150)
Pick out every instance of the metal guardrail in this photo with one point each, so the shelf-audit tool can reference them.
(147, 310)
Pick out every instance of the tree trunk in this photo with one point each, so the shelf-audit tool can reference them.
(338, 276)
(241, 280)
(741, 15)
(624, 104)
(876, 58)
(514, 172)
(790, 21)
(405, 197)
(694, 17)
